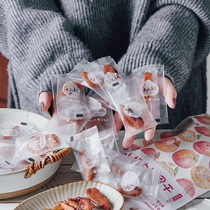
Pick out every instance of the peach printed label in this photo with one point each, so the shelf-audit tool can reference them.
(90, 159)
(112, 79)
(38, 142)
(9, 132)
(129, 181)
(149, 88)
(184, 154)
(71, 90)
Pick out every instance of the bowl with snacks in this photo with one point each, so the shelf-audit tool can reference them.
(31, 175)
(88, 194)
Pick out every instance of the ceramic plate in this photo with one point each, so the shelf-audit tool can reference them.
(48, 198)
(10, 187)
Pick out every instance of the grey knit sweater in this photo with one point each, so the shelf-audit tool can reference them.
(43, 37)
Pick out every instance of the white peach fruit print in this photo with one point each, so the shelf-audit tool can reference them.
(202, 147)
(200, 176)
(168, 145)
(187, 185)
(185, 158)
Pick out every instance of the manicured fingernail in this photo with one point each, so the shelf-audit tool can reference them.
(174, 102)
(41, 105)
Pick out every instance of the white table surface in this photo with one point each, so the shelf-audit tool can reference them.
(65, 175)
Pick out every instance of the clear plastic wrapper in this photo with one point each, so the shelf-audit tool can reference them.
(126, 95)
(114, 156)
(71, 100)
(109, 139)
(6, 155)
(151, 80)
(34, 147)
(9, 132)
(134, 181)
(103, 118)
(91, 158)
(6, 159)
(94, 79)
(62, 117)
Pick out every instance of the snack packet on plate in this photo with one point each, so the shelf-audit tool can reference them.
(183, 154)
(151, 80)
(33, 147)
(6, 155)
(10, 131)
(91, 158)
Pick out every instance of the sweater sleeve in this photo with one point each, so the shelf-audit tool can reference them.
(176, 35)
(38, 41)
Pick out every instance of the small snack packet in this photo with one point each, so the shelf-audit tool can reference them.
(126, 95)
(132, 179)
(103, 118)
(70, 99)
(62, 117)
(151, 80)
(91, 158)
(33, 147)
(6, 155)
(109, 139)
(9, 133)
(94, 79)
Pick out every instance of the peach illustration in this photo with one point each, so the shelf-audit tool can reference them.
(134, 147)
(168, 145)
(187, 135)
(167, 167)
(151, 153)
(187, 185)
(200, 176)
(167, 134)
(202, 147)
(186, 123)
(203, 119)
(203, 130)
(147, 143)
(185, 158)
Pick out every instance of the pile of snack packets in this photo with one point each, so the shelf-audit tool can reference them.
(165, 173)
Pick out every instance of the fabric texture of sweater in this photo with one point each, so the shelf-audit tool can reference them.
(44, 37)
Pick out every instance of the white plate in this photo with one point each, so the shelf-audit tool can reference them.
(10, 187)
(48, 198)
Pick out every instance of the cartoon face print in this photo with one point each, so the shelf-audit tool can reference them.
(149, 88)
(37, 142)
(129, 181)
(133, 109)
(90, 159)
(112, 79)
(71, 90)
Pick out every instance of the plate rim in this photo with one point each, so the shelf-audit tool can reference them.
(60, 186)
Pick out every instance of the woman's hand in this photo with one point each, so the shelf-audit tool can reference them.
(45, 101)
(170, 98)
